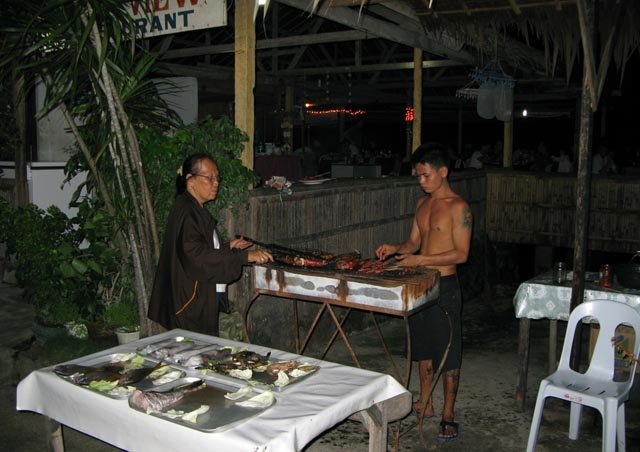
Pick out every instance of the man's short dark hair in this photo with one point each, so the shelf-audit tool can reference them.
(433, 154)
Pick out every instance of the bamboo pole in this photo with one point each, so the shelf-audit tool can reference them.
(20, 111)
(460, 154)
(507, 153)
(583, 180)
(245, 75)
(417, 99)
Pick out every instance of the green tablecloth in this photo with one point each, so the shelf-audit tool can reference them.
(541, 298)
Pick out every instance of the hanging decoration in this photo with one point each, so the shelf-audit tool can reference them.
(495, 94)
(486, 103)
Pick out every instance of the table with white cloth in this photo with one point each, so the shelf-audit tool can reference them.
(302, 410)
(542, 298)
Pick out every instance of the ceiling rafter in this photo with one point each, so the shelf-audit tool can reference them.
(351, 18)
(289, 41)
(427, 64)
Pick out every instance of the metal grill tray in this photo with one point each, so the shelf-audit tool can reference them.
(100, 361)
(261, 380)
(223, 414)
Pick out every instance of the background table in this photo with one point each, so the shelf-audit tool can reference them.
(289, 166)
(302, 411)
(541, 298)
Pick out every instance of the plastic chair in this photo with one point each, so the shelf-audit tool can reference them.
(596, 387)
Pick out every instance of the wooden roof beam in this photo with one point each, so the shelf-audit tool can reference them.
(515, 7)
(383, 29)
(485, 9)
(371, 68)
(289, 41)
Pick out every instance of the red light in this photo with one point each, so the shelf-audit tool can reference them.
(408, 114)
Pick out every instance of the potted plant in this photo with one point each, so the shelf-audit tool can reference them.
(123, 317)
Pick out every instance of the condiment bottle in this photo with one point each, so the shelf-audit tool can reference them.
(559, 272)
(606, 276)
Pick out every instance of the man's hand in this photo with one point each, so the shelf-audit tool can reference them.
(408, 260)
(385, 250)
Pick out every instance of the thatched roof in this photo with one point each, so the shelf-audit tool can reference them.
(363, 49)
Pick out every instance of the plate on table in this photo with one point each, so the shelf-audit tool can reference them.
(314, 181)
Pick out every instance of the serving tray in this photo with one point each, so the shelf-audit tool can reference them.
(120, 391)
(226, 365)
(222, 413)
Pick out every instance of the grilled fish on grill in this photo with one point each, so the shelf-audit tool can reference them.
(349, 261)
(301, 261)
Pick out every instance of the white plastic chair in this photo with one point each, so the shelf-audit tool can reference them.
(596, 387)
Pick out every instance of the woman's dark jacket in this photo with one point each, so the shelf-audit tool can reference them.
(184, 289)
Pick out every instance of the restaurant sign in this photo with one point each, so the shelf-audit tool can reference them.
(163, 17)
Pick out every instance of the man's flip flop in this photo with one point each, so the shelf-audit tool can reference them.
(448, 431)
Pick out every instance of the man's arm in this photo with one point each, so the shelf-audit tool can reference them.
(410, 246)
(462, 221)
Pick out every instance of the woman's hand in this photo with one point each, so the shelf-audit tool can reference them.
(260, 257)
(240, 244)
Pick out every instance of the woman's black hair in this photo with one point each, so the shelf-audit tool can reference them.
(190, 167)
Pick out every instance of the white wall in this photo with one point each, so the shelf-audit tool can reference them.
(45, 177)
(45, 182)
(183, 96)
(52, 136)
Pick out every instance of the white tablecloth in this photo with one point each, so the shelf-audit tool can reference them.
(302, 411)
(541, 298)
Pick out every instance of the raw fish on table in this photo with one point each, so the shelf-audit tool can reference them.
(157, 401)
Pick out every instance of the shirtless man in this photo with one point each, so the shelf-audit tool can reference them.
(440, 239)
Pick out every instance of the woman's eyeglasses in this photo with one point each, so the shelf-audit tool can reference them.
(211, 179)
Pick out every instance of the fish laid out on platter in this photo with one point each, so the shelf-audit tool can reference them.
(243, 364)
(117, 375)
(206, 406)
(160, 399)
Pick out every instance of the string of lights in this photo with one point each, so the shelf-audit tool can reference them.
(333, 111)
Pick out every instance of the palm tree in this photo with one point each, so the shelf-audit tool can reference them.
(95, 70)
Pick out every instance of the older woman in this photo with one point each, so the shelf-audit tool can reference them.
(194, 266)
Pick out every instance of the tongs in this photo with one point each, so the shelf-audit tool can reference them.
(273, 246)
(185, 386)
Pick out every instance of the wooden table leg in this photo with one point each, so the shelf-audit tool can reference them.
(55, 440)
(523, 358)
(553, 345)
(377, 417)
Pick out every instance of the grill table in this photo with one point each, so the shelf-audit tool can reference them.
(399, 296)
